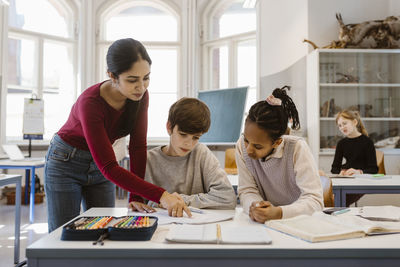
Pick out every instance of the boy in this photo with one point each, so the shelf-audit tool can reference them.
(187, 166)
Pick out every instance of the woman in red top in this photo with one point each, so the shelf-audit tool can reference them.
(81, 167)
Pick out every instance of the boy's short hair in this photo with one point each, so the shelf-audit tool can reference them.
(191, 115)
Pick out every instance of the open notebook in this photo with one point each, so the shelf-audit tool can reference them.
(218, 234)
(321, 227)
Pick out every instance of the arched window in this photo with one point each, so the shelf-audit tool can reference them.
(156, 24)
(40, 62)
(229, 47)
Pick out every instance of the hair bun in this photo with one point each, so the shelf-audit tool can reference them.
(281, 92)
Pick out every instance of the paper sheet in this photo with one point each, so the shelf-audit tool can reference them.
(208, 216)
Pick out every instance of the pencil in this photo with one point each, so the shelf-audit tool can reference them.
(126, 222)
(218, 233)
(196, 210)
(95, 226)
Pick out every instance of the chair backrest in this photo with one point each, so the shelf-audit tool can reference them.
(230, 163)
(380, 161)
(329, 200)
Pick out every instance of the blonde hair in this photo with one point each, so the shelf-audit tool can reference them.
(352, 115)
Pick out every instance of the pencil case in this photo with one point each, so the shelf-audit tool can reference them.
(128, 228)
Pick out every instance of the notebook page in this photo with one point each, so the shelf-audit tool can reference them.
(313, 228)
(358, 223)
(245, 235)
(208, 216)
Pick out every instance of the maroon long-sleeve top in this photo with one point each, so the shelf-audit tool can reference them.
(93, 125)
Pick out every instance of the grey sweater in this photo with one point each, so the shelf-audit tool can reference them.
(197, 176)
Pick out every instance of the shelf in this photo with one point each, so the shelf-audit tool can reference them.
(366, 51)
(364, 119)
(360, 84)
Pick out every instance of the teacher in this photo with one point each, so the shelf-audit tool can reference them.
(81, 167)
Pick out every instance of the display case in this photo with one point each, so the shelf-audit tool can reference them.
(367, 80)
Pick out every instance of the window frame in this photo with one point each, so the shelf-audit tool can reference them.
(208, 44)
(10, 32)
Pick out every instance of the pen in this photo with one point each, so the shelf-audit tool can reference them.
(378, 175)
(196, 210)
(340, 211)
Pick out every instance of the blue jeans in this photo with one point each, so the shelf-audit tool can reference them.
(72, 178)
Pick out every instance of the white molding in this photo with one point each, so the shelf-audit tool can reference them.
(110, 8)
(87, 55)
(28, 34)
(258, 46)
(3, 71)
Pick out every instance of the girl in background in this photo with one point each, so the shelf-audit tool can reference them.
(278, 177)
(356, 148)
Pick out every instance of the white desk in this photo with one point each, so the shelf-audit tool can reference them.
(15, 179)
(344, 186)
(285, 250)
(30, 168)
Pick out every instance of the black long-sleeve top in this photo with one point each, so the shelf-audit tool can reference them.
(359, 153)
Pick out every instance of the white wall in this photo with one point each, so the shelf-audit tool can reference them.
(283, 26)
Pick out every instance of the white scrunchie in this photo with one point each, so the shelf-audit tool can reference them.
(273, 101)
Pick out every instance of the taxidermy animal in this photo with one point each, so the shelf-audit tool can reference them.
(369, 34)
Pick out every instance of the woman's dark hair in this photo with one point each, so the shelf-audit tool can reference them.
(274, 119)
(121, 55)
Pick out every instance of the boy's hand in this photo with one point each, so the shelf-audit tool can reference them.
(263, 211)
(174, 204)
(141, 207)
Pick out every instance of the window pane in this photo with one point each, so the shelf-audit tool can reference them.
(158, 114)
(163, 78)
(59, 84)
(15, 109)
(246, 69)
(57, 66)
(220, 68)
(56, 110)
(142, 23)
(39, 16)
(234, 20)
(21, 62)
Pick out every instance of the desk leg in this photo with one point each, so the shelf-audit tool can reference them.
(32, 204)
(17, 220)
(27, 175)
(338, 197)
(343, 194)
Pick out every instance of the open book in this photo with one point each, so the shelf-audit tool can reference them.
(217, 234)
(340, 176)
(365, 176)
(322, 227)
